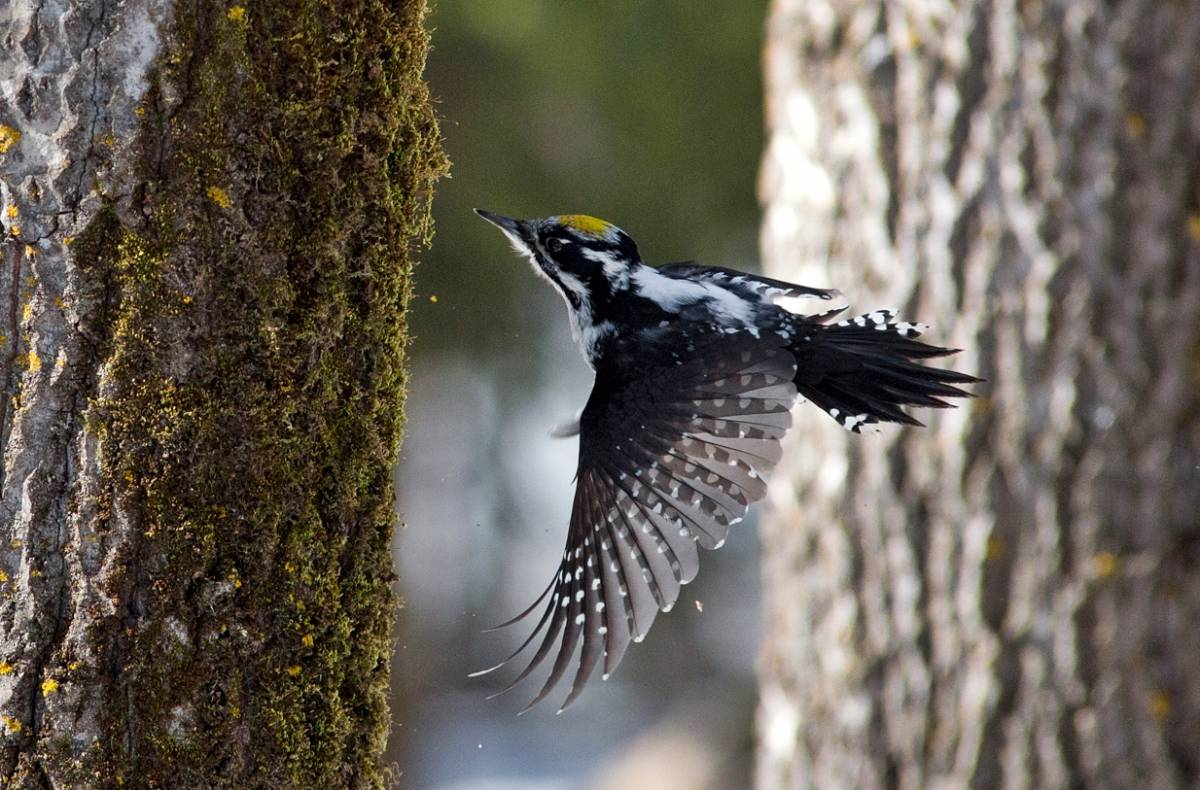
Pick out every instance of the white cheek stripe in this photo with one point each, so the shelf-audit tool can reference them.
(615, 269)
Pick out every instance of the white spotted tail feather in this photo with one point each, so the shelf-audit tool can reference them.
(862, 370)
(669, 459)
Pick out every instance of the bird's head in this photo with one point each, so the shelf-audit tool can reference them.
(585, 258)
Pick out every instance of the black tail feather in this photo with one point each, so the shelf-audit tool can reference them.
(861, 371)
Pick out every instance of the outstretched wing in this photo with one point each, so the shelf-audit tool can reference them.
(667, 460)
(763, 287)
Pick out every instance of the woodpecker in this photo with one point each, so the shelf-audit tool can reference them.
(696, 371)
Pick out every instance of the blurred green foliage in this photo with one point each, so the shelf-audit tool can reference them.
(648, 114)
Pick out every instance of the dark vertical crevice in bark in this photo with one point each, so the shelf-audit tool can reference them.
(12, 328)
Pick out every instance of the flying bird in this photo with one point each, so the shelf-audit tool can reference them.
(696, 371)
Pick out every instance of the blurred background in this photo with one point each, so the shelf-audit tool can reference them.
(648, 115)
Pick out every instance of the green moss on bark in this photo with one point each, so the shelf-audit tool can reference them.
(250, 406)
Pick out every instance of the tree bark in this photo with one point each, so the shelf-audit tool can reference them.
(210, 211)
(1009, 597)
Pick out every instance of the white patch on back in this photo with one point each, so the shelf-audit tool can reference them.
(674, 295)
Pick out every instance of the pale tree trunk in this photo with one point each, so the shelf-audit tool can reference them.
(1011, 596)
(208, 209)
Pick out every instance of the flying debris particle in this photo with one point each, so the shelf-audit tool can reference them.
(433, 298)
(699, 605)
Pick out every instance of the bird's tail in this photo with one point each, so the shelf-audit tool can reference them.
(863, 370)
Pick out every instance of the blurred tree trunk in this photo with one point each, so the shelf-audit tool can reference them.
(1009, 597)
(209, 213)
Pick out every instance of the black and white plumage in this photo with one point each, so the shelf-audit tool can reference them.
(697, 370)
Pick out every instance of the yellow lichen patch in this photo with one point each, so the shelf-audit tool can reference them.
(5, 668)
(236, 13)
(585, 224)
(14, 230)
(1193, 226)
(8, 138)
(12, 724)
(1105, 564)
(74, 665)
(49, 686)
(307, 640)
(219, 196)
(293, 670)
(33, 363)
(12, 212)
(27, 312)
(1135, 125)
(1160, 705)
(3, 577)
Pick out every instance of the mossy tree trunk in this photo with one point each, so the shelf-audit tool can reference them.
(210, 214)
(1009, 597)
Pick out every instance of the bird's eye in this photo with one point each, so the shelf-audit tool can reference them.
(555, 245)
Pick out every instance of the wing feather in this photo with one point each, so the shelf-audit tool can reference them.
(669, 460)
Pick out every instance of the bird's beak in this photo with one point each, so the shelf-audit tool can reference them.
(506, 224)
(513, 229)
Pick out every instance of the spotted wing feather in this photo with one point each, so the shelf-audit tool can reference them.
(668, 461)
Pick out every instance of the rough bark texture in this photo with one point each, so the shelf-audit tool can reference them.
(1009, 597)
(209, 210)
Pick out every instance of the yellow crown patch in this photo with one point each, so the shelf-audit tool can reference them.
(585, 224)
